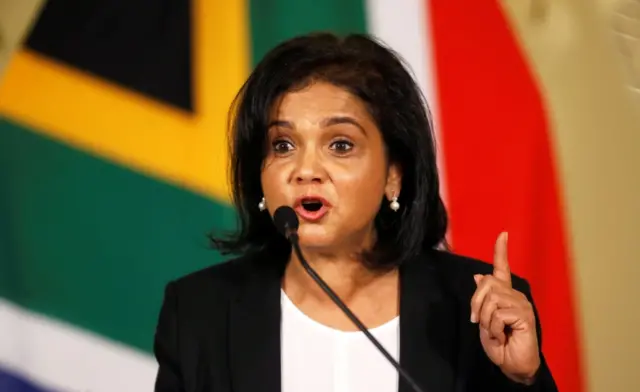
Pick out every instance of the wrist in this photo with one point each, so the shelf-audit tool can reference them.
(527, 379)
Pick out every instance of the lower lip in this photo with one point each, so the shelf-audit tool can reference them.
(311, 216)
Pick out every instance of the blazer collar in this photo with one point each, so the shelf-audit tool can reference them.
(427, 329)
(254, 330)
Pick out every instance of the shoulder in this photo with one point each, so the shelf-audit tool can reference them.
(457, 271)
(192, 320)
(197, 300)
(218, 281)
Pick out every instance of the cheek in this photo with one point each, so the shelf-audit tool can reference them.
(361, 188)
(273, 179)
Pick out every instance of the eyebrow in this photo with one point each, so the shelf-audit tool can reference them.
(343, 120)
(336, 120)
(280, 123)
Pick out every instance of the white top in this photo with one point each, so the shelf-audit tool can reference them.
(317, 358)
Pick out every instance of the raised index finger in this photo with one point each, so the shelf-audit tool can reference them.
(501, 268)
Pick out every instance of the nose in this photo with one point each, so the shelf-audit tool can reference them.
(309, 168)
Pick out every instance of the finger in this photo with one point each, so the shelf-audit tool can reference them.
(517, 318)
(510, 318)
(488, 338)
(501, 268)
(493, 301)
(486, 284)
(478, 297)
(497, 326)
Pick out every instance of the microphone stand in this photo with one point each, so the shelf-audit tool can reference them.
(293, 237)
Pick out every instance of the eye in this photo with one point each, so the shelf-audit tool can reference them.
(342, 146)
(281, 146)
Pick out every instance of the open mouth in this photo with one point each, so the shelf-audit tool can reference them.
(312, 205)
(312, 209)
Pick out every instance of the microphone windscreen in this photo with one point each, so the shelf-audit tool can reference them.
(286, 220)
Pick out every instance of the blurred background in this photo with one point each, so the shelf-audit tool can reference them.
(113, 164)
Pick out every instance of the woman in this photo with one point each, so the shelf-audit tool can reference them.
(337, 129)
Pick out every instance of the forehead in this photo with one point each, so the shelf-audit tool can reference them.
(318, 100)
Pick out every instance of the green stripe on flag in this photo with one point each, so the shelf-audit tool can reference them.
(276, 20)
(93, 243)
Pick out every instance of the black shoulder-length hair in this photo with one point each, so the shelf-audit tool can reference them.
(371, 71)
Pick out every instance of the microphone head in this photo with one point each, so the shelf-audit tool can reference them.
(286, 220)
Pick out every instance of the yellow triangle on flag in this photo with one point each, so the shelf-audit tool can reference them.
(94, 115)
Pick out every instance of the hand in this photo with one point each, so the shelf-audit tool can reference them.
(506, 320)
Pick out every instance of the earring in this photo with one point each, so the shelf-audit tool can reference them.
(262, 205)
(394, 205)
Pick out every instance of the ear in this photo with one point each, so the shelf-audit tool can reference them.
(394, 181)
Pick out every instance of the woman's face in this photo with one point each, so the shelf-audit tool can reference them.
(326, 159)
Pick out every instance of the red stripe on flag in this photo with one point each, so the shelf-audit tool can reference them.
(500, 170)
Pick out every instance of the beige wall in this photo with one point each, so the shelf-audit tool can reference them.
(16, 17)
(597, 139)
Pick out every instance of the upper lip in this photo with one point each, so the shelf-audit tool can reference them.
(302, 199)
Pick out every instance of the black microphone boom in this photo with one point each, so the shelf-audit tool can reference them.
(287, 223)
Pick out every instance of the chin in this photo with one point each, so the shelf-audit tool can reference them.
(314, 238)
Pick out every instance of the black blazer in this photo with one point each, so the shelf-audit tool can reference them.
(219, 328)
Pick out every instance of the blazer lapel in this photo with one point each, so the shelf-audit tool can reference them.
(254, 333)
(427, 328)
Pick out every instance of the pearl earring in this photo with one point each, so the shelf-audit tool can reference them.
(262, 205)
(394, 205)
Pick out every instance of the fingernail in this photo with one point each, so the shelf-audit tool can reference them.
(473, 318)
(477, 278)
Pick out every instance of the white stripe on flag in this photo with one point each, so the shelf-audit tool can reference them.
(401, 24)
(63, 357)
(404, 25)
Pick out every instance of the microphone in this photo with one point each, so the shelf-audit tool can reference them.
(287, 223)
